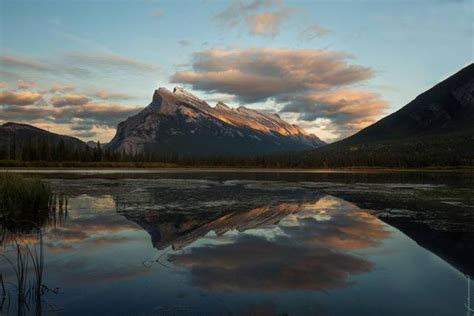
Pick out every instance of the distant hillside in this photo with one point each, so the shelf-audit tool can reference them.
(178, 122)
(26, 142)
(21, 133)
(435, 129)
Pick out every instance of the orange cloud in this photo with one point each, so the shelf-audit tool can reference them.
(25, 85)
(70, 99)
(19, 98)
(347, 110)
(61, 88)
(256, 74)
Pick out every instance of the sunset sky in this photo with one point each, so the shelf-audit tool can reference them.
(333, 67)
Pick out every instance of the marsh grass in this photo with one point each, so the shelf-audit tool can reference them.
(25, 199)
(26, 205)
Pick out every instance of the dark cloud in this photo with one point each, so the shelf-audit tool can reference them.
(19, 98)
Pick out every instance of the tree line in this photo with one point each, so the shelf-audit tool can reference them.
(413, 154)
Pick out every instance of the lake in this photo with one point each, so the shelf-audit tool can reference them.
(191, 242)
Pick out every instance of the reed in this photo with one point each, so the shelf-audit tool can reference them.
(24, 198)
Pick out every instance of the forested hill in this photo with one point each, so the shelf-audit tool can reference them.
(435, 129)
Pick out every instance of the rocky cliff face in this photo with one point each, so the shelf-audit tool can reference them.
(179, 122)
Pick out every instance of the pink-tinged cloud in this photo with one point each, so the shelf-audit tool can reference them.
(267, 23)
(157, 13)
(61, 88)
(258, 17)
(107, 95)
(19, 98)
(109, 61)
(15, 61)
(257, 74)
(348, 111)
(25, 85)
(238, 10)
(69, 100)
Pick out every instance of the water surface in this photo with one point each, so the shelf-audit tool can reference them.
(212, 243)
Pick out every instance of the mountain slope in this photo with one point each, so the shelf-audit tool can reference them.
(23, 133)
(435, 129)
(180, 123)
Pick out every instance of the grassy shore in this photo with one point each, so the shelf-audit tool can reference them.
(6, 164)
(23, 198)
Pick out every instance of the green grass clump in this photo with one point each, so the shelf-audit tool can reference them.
(22, 198)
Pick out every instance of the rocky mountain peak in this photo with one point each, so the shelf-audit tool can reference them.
(222, 106)
(180, 122)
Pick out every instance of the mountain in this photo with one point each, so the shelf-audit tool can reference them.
(16, 133)
(435, 129)
(181, 123)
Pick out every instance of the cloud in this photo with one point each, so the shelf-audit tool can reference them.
(107, 95)
(109, 61)
(184, 42)
(257, 74)
(19, 98)
(9, 61)
(69, 99)
(25, 85)
(268, 23)
(157, 13)
(61, 88)
(255, 16)
(84, 117)
(312, 32)
(324, 234)
(254, 263)
(347, 110)
(311, 83)
(240, 9)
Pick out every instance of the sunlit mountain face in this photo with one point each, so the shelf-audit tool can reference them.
(180, 123)
(251, 242)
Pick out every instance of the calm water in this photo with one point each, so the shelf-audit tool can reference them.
(194, 243)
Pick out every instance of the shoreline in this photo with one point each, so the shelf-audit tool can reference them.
(220, 169)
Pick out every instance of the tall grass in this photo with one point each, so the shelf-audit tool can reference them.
(24, 198)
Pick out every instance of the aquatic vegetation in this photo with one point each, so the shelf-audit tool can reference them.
(19, 194)
(29, 200)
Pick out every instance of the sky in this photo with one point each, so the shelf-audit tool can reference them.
(79, 67)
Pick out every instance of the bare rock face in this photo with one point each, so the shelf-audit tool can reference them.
(180, 123)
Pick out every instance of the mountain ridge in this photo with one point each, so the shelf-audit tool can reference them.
(434, 129)
(179, 122)
(20, 132)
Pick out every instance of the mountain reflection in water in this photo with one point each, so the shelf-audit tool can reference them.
(307, 250)
(254, 242)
